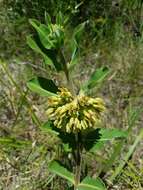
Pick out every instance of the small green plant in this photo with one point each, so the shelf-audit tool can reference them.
(73, 115)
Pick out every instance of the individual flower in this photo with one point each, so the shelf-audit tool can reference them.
(74, 113)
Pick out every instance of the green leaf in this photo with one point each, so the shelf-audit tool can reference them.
(91, 137)
(78, 31)
(51, 54)
(34, 22)
(56, 168)
(43, 45)
(43, 86)
(106, 135)
(97, 77)
(66, 148)
(43, 32)
(91, 184)
(47, 127)
(33, 45)
(97, 146)
(74, 44)
(74, 56)
(47, 18)
(94, 139)
(59, 19)
(66, 138)
(109, 134)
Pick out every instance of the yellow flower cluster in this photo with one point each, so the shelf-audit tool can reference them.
(73, 114)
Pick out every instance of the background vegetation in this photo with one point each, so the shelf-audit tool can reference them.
(113, 37)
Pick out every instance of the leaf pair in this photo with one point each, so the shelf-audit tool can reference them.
(88, 183)
(91, 140)
(46, 87)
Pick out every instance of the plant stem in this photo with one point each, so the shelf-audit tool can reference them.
(66, 71)
(78, 153)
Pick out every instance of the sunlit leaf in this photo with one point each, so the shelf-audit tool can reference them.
(61, 171)
(43, 32)
(43, 86)
(33, 45)
(97, 77)
(91, 184)
(34, 22)
(74, 55)
(78, 31)
(49, 54)
(47, 18)
(47, 127)
(97, 146)
(47, 45)
(106, 135)
(59, 19)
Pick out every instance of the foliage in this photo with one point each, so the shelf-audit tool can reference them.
(52, 37)
(116, 27)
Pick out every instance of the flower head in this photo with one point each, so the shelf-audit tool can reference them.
(74, 113)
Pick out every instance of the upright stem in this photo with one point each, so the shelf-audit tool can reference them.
(77, 162)
(78, 151)
(66, 71)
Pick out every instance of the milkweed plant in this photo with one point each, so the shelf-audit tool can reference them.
(74, 116)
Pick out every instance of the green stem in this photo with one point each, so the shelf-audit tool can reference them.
(78, 153)
(66, 71)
